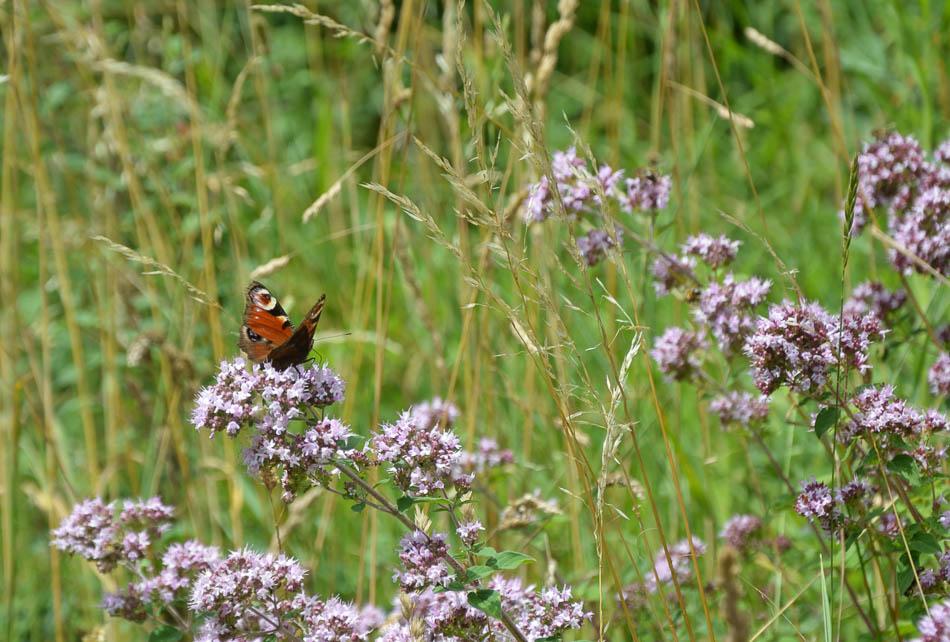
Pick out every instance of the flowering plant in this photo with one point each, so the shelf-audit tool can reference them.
(449, 591)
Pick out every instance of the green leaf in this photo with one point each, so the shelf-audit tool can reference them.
(358, 508)
(478, 572)
(487, 601)
(404, 503)
(486, 551)
(165, 634)
(508, 560)
(925, 543)
(901, 463)
(827, 417)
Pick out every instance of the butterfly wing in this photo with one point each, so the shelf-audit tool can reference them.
(265, 326)
(296, 349)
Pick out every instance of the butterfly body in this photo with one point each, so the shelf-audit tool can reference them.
(267, 333)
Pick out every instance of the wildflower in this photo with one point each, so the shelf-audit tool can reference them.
(488, 456)
(724, 308)
(714, 252)
(942, 153)
(248, 592)
(792, 346)
(468, 531)
(679, 565)
(436, 412)
(939, 375)
(855, 492)
(888, 168)
(935, 626)
(440, 616)
(181, 564)
(423, 561)
(646, 192)
(566, 165)
(593, 246)
(871, 297)
(422, 459)
(126, 604)
(286, 394)
(678, 353)
(264, 397)
(740, 530)
(855, 335)
(740, 408)
(299, 459)
(817, 504)
(574, 184)
(928, 458)
(546, 614)
(671, 272)
(331, 620)
(608, 178)
(924, 233)
(929, 580)
(93, 532)
(538, 206)
(878, 411)
(888, 525)
(229, 403)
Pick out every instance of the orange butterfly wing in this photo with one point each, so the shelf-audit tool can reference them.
(268, 335)
(265, 326)
(297, 348)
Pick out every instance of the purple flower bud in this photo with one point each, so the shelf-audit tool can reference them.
(423, 562)
(740, 530)
(678, 353)
(939, 375)
(740, 409)
(714, 252)
(593, 246)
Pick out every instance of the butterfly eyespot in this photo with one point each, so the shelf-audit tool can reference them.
(253, 336)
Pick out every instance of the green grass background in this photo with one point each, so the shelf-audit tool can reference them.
(197, 134)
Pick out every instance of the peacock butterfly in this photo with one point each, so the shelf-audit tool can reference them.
(268, 335)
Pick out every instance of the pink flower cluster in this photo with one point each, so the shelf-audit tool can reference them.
(740, 409)
(817, 503)
(594, 245)
(423, 561)
(298, 460)
(423, 459)
(894, 174)
(714, 252)
(831, 510)
(487, 457)
(872, 297)
(879, 411)
(740, 531)
(269, 402)
(678, 353)
(580, 190)
(263, 397)
(935, 626)
(447, 616)
(798, 345)
(939, 375)
(725, 308)
(93, 531)
(181, 564)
